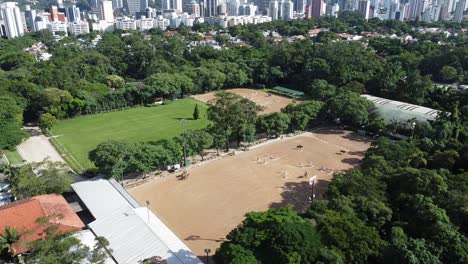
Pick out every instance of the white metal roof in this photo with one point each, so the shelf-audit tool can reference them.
(87, 238)
(100, 197)
(130, 239)
(395, 110)
(125, 225)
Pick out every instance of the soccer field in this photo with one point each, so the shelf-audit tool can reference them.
(82, 134)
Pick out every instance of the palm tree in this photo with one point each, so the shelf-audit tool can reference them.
(8, 238)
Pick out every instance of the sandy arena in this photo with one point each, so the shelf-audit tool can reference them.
(272, 103)
(204, 208)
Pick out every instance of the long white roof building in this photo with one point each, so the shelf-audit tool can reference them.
(133, 232)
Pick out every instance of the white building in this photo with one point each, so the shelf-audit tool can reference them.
(161, 22)
(11, 20)
(335, 10)
(364, 8)
(125, 23)
(106, 12)
(193, 8)
(56, 27)
(145, 23)
(459, 9)
(78, 28)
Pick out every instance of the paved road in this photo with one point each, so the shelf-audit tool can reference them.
(37, 148)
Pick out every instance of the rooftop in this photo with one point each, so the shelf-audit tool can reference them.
(391, 110)
(23, 214)
(133, 232)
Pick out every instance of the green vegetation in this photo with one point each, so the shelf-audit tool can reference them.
(40, 178)
(82, 134)
(13, 157)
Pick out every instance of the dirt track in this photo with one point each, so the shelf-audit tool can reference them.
(214, 199)
(272, 103)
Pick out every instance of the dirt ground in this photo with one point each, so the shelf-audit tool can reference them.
(204, 208)
(37, 148)
(272, 103)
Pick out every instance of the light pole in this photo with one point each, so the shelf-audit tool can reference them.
(413, 126)
(147, 209)
(207, 251)
(312, 183)
(182, 123)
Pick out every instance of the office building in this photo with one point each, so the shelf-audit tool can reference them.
(132, 7)
(11, 21)
(273, 10)
(232, 7)
(106, 12)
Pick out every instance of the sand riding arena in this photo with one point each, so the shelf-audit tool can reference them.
(204, 207)
(270, 102)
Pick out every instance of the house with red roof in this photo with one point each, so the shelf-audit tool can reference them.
(24, 214)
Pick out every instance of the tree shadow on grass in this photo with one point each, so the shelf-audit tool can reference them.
(298, 194)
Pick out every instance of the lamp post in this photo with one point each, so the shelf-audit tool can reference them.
(147, 209)
(182, 123)
(413, 126)
(207, 251)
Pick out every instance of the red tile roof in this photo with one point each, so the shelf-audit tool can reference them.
(23, 215)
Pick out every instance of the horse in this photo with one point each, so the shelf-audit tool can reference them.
(299, 147)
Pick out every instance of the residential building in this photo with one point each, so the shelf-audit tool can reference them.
(364, 8)
(193, 8)
(56, 27)
(78, 28)
(30, 15)
(106, 12)
(318, 8)
(73, 13)
(125, 23)
(145, 23)
(10, 20)
(459, 9)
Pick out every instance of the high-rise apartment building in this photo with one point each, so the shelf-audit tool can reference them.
(211, 7)
(193, 8)
(459, 9)
(10, 20)
(106, 12)
(30, 15)
(73, 13)
(364, 8)
(133, 7)
(318, 8)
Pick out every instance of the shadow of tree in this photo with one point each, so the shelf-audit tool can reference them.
(352, 161)
(298, 194)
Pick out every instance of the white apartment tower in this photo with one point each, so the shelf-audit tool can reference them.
(11, 21)
(106, 12)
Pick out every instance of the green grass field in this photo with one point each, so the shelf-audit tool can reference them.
(82, 134)
(13, 157)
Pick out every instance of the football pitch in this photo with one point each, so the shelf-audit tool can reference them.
(81, 135)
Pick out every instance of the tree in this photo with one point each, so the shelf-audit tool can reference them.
(449, 74)
(274, 236)
(11, 121)
(111, 153)
(115, 81)
(40, 178)
(8, 238)
(47, 121)
(321, 90)
(63, 247)
(196, 112)
(347, 233)
(197, 141)
(349, 108)
(276, 122)
(230, 112)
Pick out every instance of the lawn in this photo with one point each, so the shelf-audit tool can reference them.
(82, 134)
(13, 157)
